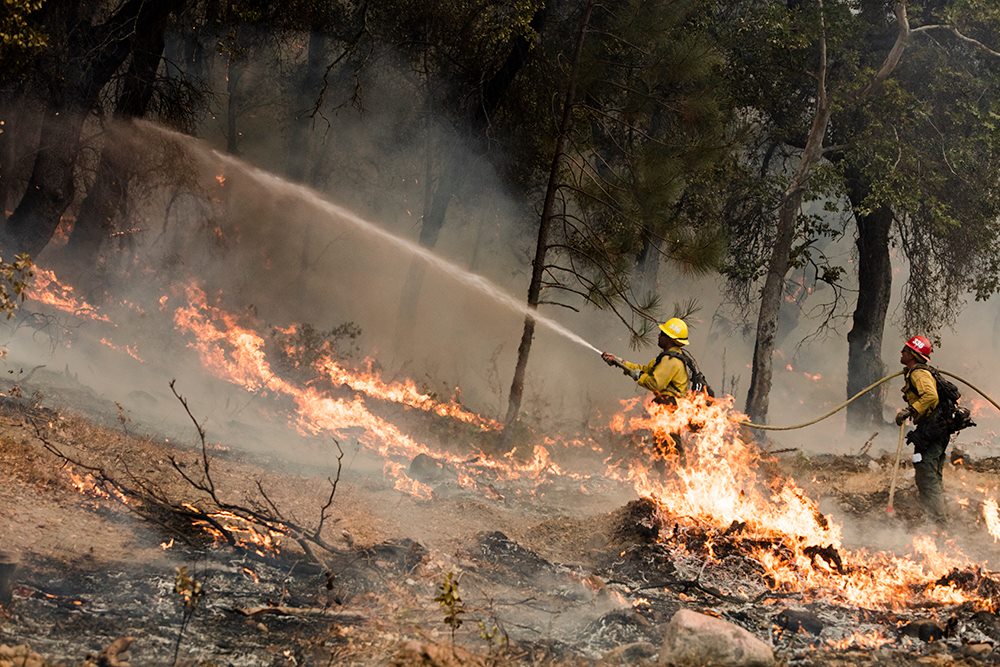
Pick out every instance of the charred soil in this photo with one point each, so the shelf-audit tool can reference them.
(560, 574)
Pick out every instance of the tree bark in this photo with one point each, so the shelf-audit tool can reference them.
(760, 379)
(94, 54)
(542, 242)
(774, 284)
(864, 357)
(106, 197)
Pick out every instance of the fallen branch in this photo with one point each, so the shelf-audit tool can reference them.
(325, 612)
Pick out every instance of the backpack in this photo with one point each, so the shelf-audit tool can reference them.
(951, 415)
(696, 379)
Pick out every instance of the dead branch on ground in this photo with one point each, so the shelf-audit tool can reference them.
(261, 514)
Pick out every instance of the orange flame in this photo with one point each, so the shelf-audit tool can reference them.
(47, 289)
(718, 485)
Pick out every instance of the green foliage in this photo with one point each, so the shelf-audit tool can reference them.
(650, 134)
(20, 38)
(16, 31)
(923, 143)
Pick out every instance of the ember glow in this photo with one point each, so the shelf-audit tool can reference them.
(715, 487)
(88, 485)
(369, 383)
(718, 486)
(130, 350)
(247, 535)
(46, 288)
(991, 514)
(236, 353)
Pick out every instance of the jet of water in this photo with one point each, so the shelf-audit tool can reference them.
(281, 186)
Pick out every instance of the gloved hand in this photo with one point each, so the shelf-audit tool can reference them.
(903, 415)
(609, 358)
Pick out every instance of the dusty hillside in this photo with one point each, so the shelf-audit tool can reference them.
(561, 572)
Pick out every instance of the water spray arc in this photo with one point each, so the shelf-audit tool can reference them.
(303, 193)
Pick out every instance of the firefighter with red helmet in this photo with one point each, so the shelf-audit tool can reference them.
(931, 435)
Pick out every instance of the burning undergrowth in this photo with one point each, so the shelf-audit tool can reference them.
(720, 528)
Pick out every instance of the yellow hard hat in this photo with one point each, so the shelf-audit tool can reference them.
(676, 329)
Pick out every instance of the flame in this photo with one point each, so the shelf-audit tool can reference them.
(866, 640)
(715, 485)
(47, 289)
(262, 541)
(130, 350)
(405, 393)
(991, 514)
(236, 353)
(88, 485)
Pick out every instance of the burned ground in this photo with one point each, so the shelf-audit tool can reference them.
(538, 582)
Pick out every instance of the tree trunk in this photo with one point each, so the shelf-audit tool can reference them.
(864, 357)
(542, 242)
(106, 197)
(299, 133)
(430, 230)
(94, 54)
(760, 379)
(774, 284)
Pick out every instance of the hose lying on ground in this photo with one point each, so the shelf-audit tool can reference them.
(768, 427)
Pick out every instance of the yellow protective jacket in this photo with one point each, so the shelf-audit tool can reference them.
(920, 391)
(664, 375)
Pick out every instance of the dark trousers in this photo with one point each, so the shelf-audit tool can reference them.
(930, 441)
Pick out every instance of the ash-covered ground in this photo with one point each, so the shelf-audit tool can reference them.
(560, 572)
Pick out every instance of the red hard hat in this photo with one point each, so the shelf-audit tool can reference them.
(920, 345)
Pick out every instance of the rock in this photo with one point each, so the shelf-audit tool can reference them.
(924, 630)
(629, 654)
(697, 640)
(426, 469)
(798, 620)
(8, 568)
(980, 650)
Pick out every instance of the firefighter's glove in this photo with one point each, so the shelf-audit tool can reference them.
(903, 415)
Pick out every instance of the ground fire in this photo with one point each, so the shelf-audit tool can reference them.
(499, 333)
(717, 501)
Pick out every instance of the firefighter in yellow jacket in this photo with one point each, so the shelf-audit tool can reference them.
(931, 436)
(666, 375)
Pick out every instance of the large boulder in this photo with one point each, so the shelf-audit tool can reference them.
(697, 640)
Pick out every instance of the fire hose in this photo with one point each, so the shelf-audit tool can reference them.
(768, 427)
(615, 361)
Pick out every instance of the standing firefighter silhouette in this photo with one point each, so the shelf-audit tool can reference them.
(932, 404)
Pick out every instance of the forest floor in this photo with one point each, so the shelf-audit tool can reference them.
(547, 577)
